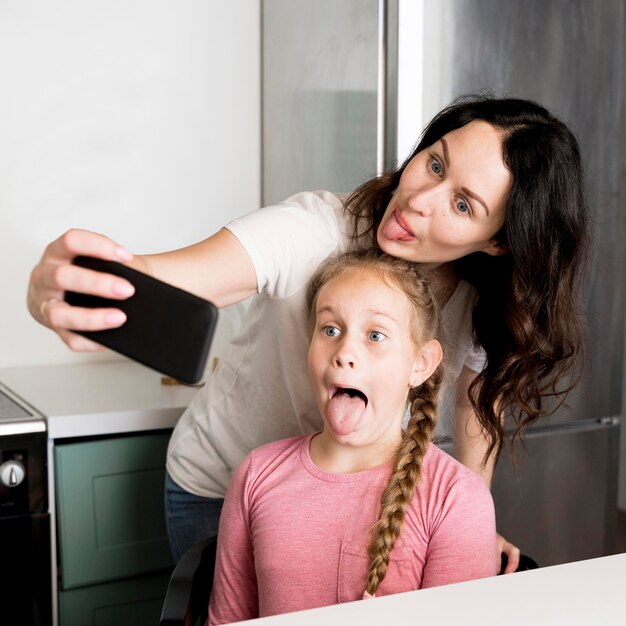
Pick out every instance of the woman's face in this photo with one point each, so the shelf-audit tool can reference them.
(451, 198)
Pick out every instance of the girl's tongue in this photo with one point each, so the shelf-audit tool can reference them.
(346, 411)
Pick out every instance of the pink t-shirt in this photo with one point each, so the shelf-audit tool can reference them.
(294, 537)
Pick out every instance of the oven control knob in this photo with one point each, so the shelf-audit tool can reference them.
(12, 473)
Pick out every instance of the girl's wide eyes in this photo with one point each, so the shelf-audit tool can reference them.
(330, 331)
(372, 335)
(376, 335)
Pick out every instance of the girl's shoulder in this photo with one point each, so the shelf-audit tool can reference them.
(268, 457)
(447, 491)
(271, 449)
(441, 470)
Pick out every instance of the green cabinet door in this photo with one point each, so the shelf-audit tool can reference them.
(110, 513)
(133, 602)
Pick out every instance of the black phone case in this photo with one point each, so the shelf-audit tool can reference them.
(167, 328)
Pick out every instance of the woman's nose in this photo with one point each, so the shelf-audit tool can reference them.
(423, 201)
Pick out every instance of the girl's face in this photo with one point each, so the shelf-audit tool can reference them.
(363, 359)
(451, 198)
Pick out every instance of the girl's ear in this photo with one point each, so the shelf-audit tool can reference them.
(426, 362)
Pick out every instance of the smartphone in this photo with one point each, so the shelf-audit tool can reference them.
(167, 328)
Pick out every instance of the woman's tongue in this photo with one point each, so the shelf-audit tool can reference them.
(345, 412)
(392, 230)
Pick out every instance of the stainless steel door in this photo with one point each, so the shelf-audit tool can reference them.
(558, 504)
(568, 55)
(320, 92)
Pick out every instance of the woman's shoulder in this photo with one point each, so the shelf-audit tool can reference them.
(321, 205)
(301, 207)
(461, 302)
(287, 241)
(318, 199)
(456, 315)
(457, 338)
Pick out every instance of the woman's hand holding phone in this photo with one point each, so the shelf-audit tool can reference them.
(55, 274)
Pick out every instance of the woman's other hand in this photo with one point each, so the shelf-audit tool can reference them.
(511, 552)
(55, 274)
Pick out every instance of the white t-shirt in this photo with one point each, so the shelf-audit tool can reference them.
(260, 391)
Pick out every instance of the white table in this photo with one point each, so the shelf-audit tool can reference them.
(591, 592)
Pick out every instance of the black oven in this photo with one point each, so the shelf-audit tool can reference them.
(25, 573)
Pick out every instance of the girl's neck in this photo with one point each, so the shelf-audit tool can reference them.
(336, 458)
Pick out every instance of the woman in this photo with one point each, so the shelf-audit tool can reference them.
(491, 202)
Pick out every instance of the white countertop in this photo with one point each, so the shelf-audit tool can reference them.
(589, 593)
(91, 399)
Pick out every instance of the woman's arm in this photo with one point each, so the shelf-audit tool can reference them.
(470, 446)
(217, 269)
(469, 442)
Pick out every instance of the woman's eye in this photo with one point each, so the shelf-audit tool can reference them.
(330, 331)
(436, 167)
(376, 335)
(462, 206)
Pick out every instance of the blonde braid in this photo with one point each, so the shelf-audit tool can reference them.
(403, 482)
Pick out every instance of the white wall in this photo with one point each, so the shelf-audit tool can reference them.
(136, 118)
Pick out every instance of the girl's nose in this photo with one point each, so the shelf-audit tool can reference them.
(345, 356)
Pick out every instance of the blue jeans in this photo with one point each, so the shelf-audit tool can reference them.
(189, 518)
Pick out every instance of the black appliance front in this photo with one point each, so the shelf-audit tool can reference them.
(25, 574)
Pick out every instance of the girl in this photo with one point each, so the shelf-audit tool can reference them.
(299, 528)
(491, 202)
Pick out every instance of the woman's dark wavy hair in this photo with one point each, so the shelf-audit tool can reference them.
(528, 313)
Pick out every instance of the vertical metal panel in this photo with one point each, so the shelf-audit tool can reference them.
(558, 504)
(320, 92)
(388, 147)
(621, 502)
(567, 55)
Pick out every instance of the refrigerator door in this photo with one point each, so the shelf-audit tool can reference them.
(568, 56)
(320, 95)
(558, 502)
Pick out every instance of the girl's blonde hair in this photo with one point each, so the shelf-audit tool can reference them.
(422, 399)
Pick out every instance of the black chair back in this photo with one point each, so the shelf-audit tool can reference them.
(189, 589)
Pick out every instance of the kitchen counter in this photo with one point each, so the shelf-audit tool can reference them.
(93, 399)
